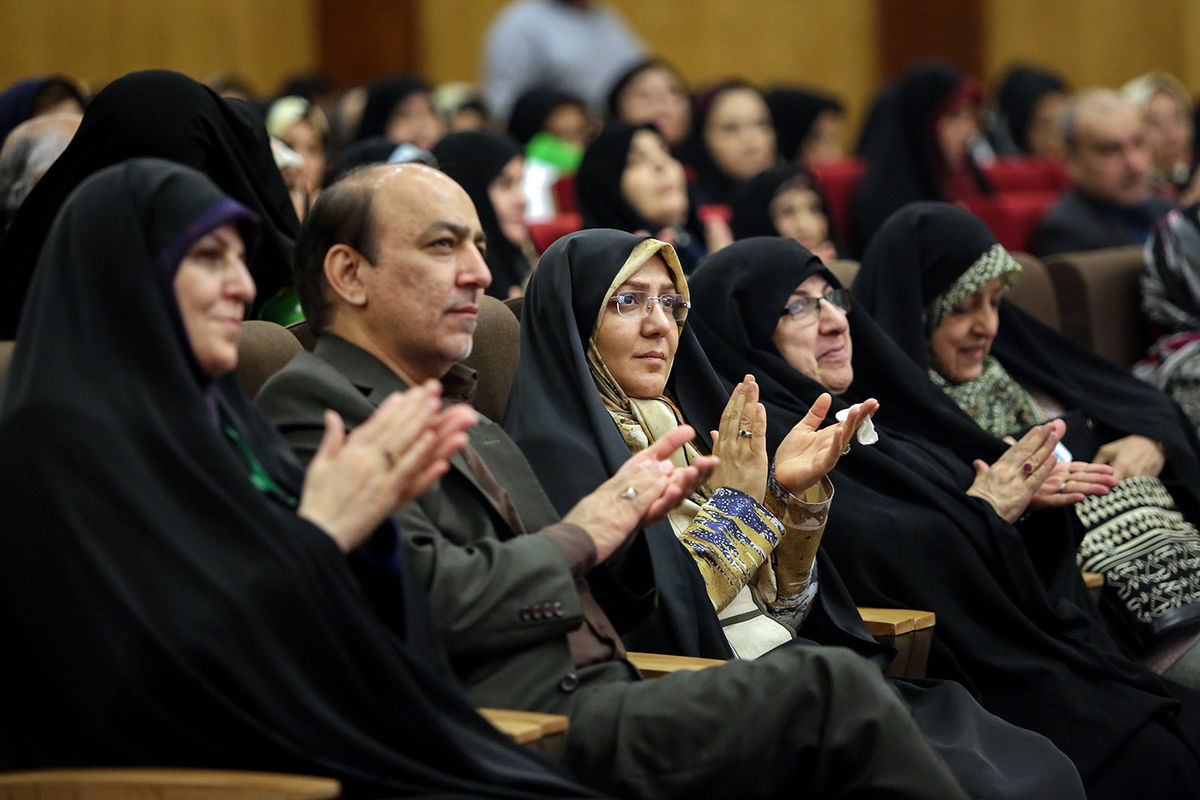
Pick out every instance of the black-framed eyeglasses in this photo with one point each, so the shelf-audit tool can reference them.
(806, 309)
(635, 303)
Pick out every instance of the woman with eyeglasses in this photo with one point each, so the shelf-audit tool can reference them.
(915, 526)
(753, 530)
(608, 359)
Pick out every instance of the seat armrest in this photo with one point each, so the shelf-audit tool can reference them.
(533, 728)
(163, 783)
(655, 665)
(909, 631)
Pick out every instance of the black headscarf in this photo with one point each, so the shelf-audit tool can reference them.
(622, 83)
(917, 255)
(1014, 623)
(712, 184)
(903, 161)
(174, 613)
(382, 98)
(531, 110)
(603, 205)
(158, 114)
(558, 418)
(1018, 98)
(19, 102)
(475, 159)
(752, 200)
(794, 112)
(375, 150)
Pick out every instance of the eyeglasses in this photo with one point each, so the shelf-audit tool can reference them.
(640, 304)
(806, 309)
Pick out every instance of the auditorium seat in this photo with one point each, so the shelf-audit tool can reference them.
(1013, 216)
(494, 356)
(1034, 291)
(1100, 301)
(547, 233)
(162, 783)
(837, 180)
(1026, 174)
(263, 349)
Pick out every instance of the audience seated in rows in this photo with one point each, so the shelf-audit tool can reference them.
(187, 601)
(914, 525)
(563, 653)
(751, 526)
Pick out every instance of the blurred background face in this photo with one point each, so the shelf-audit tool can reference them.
(1111, 161)
(796, 214)
(653, 182)
(824, 143)
(954, 131)
(739, 135)
(414, 120)
(304, 139)
(1167, 130)
(508, 200)
(570, 124)
(1044, 135)
(657, 96)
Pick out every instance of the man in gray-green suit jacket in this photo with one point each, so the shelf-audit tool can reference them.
(390, 271)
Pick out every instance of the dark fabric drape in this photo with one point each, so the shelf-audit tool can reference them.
(898, 143)
(158, 114)
(382, 98)
(531, 110)
(603, 205)
(166, 611)
(752, 200)
(475, 159)
(794, 112)
(1014, 623)
(1017, 101)
(920, 253)
(557, 417)
(712, 184)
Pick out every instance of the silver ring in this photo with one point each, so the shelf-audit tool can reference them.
(1062, 487)
(745, 434)
(629, 494)
(846, 449)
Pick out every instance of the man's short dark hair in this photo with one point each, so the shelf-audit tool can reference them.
(341, 215)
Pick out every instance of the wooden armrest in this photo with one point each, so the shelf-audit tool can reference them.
(162, 783)
(655, 665)
(909, 631)
(1094, 581)
(895, 621)
(533, 728)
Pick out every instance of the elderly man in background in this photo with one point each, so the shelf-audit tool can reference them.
(26, 155)
(1109, 202)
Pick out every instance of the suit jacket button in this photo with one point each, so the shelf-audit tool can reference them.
(537, 612)
(558, 610)
(525, 615)
(569, 682)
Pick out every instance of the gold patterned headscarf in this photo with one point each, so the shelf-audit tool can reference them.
(643, 420)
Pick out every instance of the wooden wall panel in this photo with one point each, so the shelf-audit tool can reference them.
(827, 44)
(98, 40)
(1094, 42)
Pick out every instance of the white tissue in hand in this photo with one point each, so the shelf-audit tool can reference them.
(866, 430)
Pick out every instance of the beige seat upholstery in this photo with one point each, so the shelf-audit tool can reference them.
(1034, 290)
(161, 783)
(304, 333)
(6, 353)
(494, 356)
(1100, 301)
(844, 270)
(263, 349)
